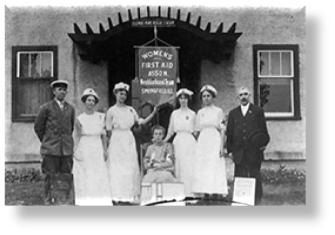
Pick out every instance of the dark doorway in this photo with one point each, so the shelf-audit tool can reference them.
(120, 69)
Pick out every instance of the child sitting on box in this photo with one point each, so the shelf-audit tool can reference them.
(158, 160)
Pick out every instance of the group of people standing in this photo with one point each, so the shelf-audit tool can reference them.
(105, 162)
(198, 144)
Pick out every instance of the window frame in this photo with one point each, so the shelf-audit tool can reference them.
(294, 79)
(16, 115)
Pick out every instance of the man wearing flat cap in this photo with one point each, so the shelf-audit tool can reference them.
(54, 127)
(247, 137)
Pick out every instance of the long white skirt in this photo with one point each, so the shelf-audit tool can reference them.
(209, 168)
(123, 167)
(90, 173)
(184, 148)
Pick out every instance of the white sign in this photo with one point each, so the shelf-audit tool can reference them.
(244, 191)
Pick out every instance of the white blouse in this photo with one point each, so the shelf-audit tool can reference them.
(121, 118)
(210, 116)
(182, 120)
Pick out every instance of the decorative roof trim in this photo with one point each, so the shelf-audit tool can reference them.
(217, 45)
(230, 35)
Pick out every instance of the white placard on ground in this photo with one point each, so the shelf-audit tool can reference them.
(244, 191)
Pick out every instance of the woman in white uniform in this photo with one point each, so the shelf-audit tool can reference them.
(89, 167)
(209, 162)
(182, 123)
(123, 166)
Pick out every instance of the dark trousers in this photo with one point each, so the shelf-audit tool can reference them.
(244, 170)
(54, 165)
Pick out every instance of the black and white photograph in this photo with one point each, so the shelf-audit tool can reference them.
(155, 105)
(167, 117)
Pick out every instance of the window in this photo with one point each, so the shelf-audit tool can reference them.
(276, 72)
(34, 68)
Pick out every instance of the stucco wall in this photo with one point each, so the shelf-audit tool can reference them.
(91, 76)
(49, 26)
(262, 27)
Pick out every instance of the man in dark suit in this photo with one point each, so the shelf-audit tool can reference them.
(247, 137)
(54, 127)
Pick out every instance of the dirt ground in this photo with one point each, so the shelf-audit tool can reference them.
(275, 194)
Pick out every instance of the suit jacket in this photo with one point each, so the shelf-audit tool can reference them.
(239, 127)
(54, 128)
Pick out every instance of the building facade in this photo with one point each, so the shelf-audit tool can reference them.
(260, 48)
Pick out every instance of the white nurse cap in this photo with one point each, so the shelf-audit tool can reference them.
(209, 88)
(184, 91)
(88, 92)
(121, 86)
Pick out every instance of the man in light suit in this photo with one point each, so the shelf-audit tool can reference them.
(54, 127)
(247, 137)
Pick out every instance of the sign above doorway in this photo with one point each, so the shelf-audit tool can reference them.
(153, 23)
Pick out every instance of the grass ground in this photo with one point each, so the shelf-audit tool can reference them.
(24, 193)
(275, 193)
(289, 194)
